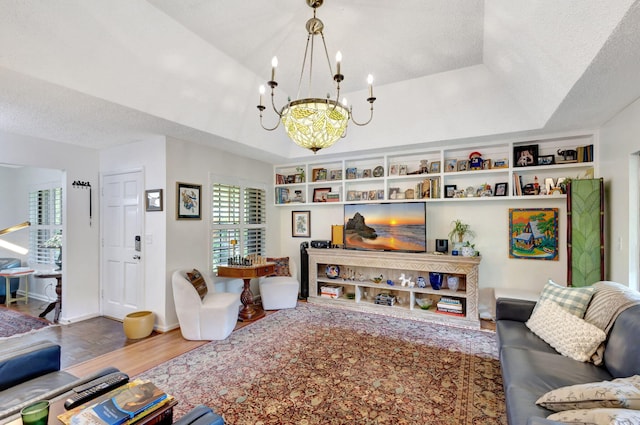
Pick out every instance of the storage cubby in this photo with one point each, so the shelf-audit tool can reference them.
(362, 278)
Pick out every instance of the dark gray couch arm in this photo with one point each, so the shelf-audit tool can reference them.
(513, 309)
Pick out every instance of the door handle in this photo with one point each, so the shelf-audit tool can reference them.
(136, 257)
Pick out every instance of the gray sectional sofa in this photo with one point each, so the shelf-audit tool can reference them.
(531, 367)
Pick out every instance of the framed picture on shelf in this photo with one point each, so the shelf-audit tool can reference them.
(463, 165)
(320, 194)
(486, 164)
(351, 195)
(352, 173)
(525, 156)
(366, 173)
(450, 165)
(450, 190)
(301, 224)
(335, 175)
(297, 178)
(188, 206)
(380, 193)
(393, 170)
(318, 174)
(393, 192)
(500, 163)
(154, 201)
(546, 159)
(500, 189)
(402, 170)
(434, 167)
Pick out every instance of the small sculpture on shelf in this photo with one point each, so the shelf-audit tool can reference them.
(404, 281)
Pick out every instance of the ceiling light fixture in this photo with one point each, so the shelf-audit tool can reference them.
(8, 245)
(314, 123)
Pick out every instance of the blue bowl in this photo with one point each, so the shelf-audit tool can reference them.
(435, 279)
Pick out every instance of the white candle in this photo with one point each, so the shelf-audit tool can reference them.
(274, 65)
(370, 81)
(338, 60)
(261, 94)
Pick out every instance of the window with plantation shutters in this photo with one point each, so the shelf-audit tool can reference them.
(238, 215)
(45, 215)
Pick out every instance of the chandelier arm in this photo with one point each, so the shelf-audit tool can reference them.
(370, 100)
(273, 105)
(304, 63)
(267, 128)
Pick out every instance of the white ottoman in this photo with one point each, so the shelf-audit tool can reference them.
(279, 292)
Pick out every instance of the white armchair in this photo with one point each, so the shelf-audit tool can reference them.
(211, 318)
(279, 292)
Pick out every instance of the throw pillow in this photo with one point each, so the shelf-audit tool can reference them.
(282, 266)
(574, 300)
(568, 334)
(198, 282)
(620, 393)
(598, 417)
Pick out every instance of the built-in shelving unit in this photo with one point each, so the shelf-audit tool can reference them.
(436, 175)
(358, 291)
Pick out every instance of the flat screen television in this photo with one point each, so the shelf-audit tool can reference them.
(398, 226)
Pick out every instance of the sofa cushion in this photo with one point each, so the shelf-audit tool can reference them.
(574, 300)
(568, 334)
(598, 417)
(198, 282)
(512, 333)
(528, 374)
(619, 393)
(281, 266)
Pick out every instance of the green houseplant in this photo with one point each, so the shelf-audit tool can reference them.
(459, 230)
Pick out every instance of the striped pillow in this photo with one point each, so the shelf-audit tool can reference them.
(574, 300)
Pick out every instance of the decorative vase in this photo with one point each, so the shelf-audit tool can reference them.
(435, 279)
(468, 251)
(453, 282)
(138, 324)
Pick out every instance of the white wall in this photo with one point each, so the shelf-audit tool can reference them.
(619, 166)
(81, 250)
(188, 241)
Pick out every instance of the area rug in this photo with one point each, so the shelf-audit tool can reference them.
(14, 323)
(321, 365)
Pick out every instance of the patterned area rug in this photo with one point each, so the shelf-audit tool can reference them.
(320, 365)
(13, 323)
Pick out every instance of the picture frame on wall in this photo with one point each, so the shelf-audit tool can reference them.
(188, 205)
(154, 200)
(301, 224)
(525, 156)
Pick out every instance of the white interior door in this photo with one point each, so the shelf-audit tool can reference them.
(122, 278)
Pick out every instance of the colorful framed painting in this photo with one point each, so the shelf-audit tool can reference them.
(188, 206)
(533, 233)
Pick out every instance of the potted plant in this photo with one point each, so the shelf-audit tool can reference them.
(458, 231)
(468, 249)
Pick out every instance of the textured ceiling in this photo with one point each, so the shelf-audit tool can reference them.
(98, 73)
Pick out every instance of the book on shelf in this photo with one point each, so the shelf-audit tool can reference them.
(122, 405)
(450, 313)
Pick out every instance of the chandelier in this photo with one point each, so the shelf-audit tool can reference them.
(314, 123)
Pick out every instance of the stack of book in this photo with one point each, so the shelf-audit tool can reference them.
(451, 306)
(123, 405)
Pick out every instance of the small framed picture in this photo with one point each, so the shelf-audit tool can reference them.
(352, 173)
(301, 224)
(486, 164)
(500, 163)
(546, 160)
(450, 165)
(500, 189)
(336, 175)
(351, 195)
(525, 156)
(450, 190)
(154, 201)
(463, 165)
(366, 173)
(402, 170)
(188, 205)
(434, 167)
(319, 174)
(393, 170)
(320, 194)
(394, 192)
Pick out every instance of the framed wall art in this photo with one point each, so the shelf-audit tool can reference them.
(525, 156)
(320, 194)
(188, 205)
(500, 189)
(154, 200)
(301, 224)
(533, 233)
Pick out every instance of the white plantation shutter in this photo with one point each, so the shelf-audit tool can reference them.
(237, 213)
(45, 215)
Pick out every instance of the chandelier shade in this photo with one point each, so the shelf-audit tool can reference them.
(314, 123)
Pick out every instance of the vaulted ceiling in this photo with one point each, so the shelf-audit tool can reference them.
(100, 73)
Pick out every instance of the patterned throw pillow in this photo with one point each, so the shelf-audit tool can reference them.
(282, 266)
(196, 279)
(598, 417)
(568, 334)
(619, 393)
(574, 300)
